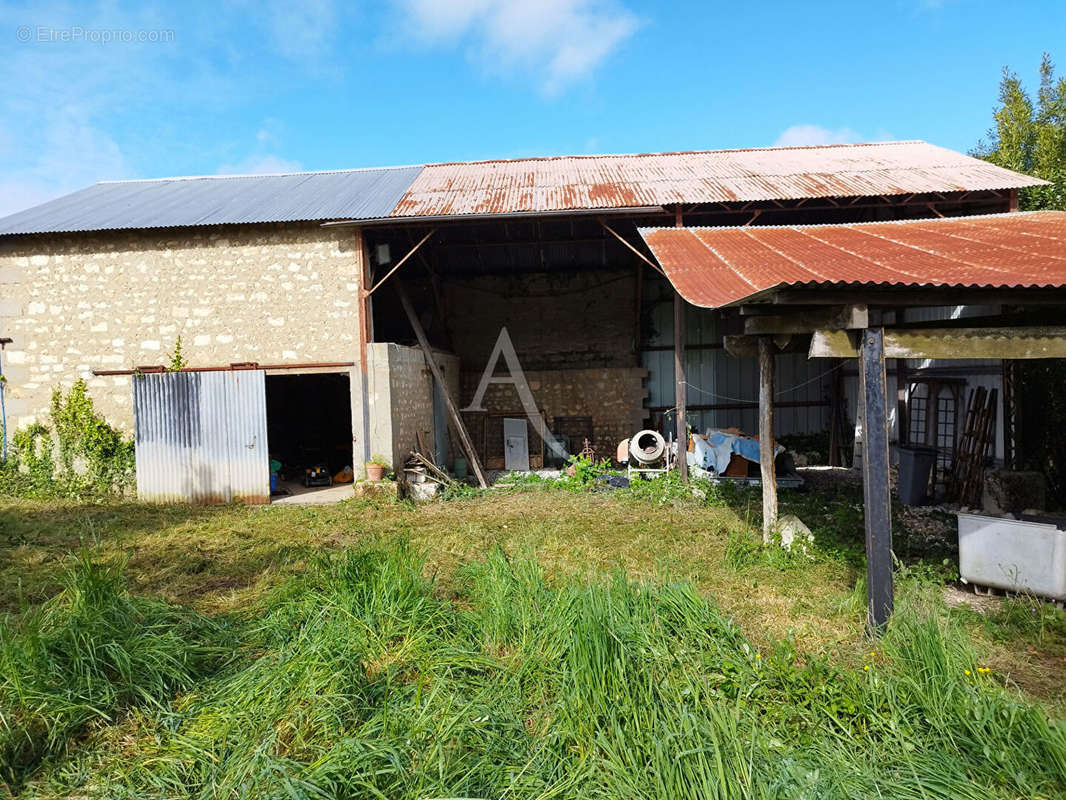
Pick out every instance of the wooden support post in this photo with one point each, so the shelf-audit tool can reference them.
(361, 393)
(836, 410)
(766, 436)
(680, 384)
(876, 491)
(453, 412)
(681, 390)
(638, 311)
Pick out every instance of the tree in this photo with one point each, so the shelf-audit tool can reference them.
(1031, 137)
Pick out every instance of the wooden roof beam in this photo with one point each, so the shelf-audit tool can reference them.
(855, 315)
(948, 343)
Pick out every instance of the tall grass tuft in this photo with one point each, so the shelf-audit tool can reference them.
(86, 655)
(366, 679)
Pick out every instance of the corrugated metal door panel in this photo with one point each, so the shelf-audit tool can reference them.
(168, 434)
(210, 480)
(235, 461)
(251, 484)
(201, 437)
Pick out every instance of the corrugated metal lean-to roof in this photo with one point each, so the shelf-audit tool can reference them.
(544, 185)
(201, 437)
(218, 200)
(626, 181)
(715, 267)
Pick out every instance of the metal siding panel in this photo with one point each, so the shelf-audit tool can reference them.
(249, 457)
(663, 324)
(167, 434)
(201, 437)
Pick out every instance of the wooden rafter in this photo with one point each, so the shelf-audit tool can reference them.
(949, 343)
(639, 254)
(401, 262)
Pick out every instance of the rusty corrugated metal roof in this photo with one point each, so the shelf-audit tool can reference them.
(776, 173)
(715, 267)
(534, 185)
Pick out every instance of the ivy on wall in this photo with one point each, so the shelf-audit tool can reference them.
(78, 454)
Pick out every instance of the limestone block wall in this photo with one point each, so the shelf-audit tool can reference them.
(400, 387)
(117, 300)
(613, 397)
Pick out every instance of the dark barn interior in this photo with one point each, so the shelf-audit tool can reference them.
(309, 421)
(585, 310)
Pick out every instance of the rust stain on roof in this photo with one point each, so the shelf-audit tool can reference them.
(715, 267)
(627, 181)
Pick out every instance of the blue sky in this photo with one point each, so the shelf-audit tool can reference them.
(237, 86)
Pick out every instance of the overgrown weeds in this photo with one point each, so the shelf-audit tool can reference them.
(369, 679)
(88, 654)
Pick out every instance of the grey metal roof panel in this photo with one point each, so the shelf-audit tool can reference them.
(219, 200)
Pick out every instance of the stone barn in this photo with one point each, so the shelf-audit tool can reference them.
(303, 306)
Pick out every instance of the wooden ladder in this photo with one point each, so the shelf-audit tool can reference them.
(968, 465)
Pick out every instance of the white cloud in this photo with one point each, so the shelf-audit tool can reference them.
(58, 99)
(18, 193)
(800, 135)
(562, 41)
(76, 113)
(72, 154)
(260, 165)
(303, 31)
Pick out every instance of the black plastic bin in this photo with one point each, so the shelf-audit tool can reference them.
(915, 463)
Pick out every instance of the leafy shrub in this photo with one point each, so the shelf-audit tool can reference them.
(77, 455)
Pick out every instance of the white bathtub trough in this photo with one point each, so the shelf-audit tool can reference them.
(1013, 555)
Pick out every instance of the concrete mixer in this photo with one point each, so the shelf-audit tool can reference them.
(648, 454)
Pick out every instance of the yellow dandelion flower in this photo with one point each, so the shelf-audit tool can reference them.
(866, 667)
(983, 670)
(966, 671)
(758, 655)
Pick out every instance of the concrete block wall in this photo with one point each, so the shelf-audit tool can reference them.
(400, 388)
(118, 300)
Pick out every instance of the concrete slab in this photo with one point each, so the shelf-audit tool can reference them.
(315, 495)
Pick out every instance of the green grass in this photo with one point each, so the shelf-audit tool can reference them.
(363, 678)
(88, 654)
(531, 643)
